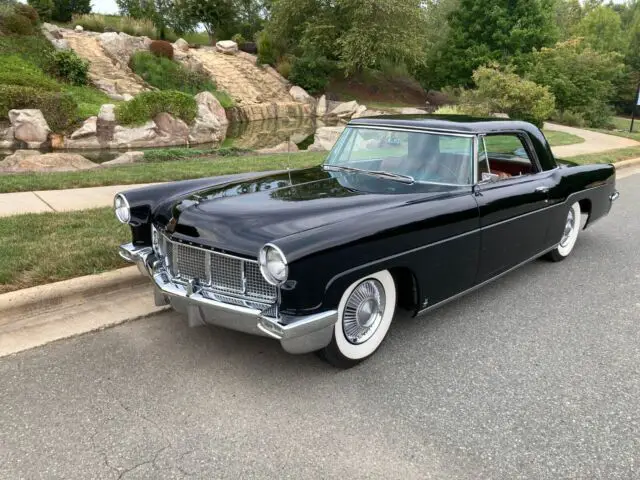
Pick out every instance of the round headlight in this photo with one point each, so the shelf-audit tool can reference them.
(121, 206)
(273, 265)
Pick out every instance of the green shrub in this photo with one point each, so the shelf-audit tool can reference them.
(312, 74)
(17, 24)
(506, 92)
(15, 70)
(581, 79)
(572, 119)
(29, 12)
(224, 98)
(266, 51)
(449, 110)
(91, 22)
(44, 8)
(166, 74)
(58, 108)
(69, 67)
(145, 106)
(161, 48)
(284, 67)
(239, 39)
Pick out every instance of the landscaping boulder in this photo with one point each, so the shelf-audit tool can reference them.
(325, 138)
(60, 44)
(34, 161)
(51, 31)
(211, 121)
(126, 158)
(172, 127)
(6, 137)
(120, 46)
(106, 122)
(359, 111)
(79, 28)
(29, 126)
(344, 110)
(412, 111)
(181, 45)
(227, 46)
(143, 136)
(281, 148)
(299, 94)
(321, 109)
(86, 136)
(88, 128)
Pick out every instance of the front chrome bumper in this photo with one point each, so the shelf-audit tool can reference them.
(297, 335)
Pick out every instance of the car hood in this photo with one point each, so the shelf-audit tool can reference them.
(241, 216)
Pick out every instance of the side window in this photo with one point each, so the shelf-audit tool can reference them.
(504, 155)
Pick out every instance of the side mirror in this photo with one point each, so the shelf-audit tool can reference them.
(489, 177)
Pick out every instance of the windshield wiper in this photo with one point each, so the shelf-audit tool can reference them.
(377, 173)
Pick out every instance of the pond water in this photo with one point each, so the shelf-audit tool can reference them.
(248, 135)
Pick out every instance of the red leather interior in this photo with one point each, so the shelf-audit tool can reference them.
(513, 169)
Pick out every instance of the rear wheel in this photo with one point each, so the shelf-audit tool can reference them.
(364, 316)
(569, 235)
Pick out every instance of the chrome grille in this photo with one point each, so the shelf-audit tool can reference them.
(221, 273)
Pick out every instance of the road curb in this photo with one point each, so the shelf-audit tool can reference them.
(632, 162)
(39, 315)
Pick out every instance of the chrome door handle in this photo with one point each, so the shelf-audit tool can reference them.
(542, 189)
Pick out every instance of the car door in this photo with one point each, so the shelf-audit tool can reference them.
(512, 195)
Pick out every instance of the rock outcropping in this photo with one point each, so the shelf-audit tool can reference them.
(30, 127)
(34, 161)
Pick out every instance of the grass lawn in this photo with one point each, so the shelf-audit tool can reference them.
(607, 157)
(156, 172)
(621, 128)
(42, 248)
(557, 139)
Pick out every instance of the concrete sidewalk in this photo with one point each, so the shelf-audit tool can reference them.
(59, 200)
(594, 142)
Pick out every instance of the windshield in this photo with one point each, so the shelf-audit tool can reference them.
(424, 157)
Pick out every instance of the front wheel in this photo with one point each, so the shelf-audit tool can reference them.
(569, 235)
(364, 316)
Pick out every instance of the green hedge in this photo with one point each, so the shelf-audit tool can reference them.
(69, 67)
(145, 106)
(59, 108)
(17, 24)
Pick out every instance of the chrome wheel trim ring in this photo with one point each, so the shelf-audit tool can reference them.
(569, 228)
(363, 312)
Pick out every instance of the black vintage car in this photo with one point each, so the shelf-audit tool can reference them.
(406, 212)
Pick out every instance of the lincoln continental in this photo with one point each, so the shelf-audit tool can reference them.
(406, 212)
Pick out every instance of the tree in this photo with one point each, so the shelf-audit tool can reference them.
(486, 31)
(602, 30)
(568, 16)
(581, 78)
(357, 33)
(63, 10)
(44, 8)
(211, 13)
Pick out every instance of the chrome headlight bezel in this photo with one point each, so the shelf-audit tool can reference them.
(122, 208)
(273, 265)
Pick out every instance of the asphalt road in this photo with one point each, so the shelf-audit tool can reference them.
(536, 376)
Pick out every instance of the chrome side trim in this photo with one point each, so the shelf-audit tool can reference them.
(614, 196)
(480, 285)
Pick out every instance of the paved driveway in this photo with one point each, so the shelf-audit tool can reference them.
(536, 376)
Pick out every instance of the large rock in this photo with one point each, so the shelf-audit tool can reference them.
(181, 45)
(6, 137)
(60, 44)
(106, 122)
(211, 121)
(299, 94)
(172, 127)
(285, 147)
(412, 111)
(126, 158)
(120, 46)
(367, 113)
(85, 137)
(345, 110)
(79, 28)
(29, 126)
(51, 31)
(321, 109)
(227, 46)
(325, 138)
(33, 161)
(143, 136)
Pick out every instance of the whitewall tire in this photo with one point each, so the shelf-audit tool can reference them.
(570, 234)
(365, 313)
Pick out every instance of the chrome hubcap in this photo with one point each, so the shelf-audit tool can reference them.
(568, 228)
(363, 312)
